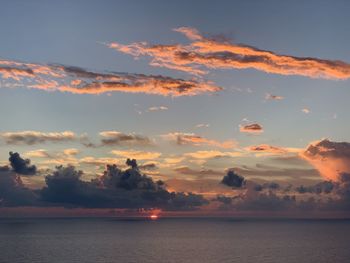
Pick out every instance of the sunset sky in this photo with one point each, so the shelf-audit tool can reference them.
(191, 90)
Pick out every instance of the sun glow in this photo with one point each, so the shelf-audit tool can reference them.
(153, 217)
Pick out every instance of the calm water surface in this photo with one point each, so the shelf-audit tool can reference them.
(174, 240)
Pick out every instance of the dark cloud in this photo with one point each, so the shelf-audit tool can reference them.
(266, 202)
(270, 186)
(20, 165)
(232, 179)
(319, 188)
(12, 190)
(114, 189)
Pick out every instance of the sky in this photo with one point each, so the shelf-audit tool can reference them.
(252, 91)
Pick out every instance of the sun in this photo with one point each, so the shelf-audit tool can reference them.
(153, 217)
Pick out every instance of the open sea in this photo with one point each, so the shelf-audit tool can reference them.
(173, 240)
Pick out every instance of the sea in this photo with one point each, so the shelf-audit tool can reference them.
(101, 240)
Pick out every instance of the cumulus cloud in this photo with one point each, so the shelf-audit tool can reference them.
(80, 81)
(12, 190)
(232, 179)
(328, 157)
(115, 188)
(197, 140)
(20, 165)
(203, 53)
(253, 128)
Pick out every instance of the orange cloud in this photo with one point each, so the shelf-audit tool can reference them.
(80, 81)
(209, 53)
(253, 128)
(139, 155)
(211, 154)
(329, 158)
(266, 149)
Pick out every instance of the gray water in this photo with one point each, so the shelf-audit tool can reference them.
(174, 240)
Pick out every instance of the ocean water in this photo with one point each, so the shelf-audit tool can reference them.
(173, 240)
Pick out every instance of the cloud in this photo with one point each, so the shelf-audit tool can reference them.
(140, 155)
(41, 153)
(115, 189)
(328, 157)
(197, 140)
(20, 165)
(35, 137)
(273, 97)
(211, 154)
(253, 128)
(306, 110)
(203, 125)
(71, 152)
(233, 180)
(157, 108)
(202, 54)
(100, 161)
(81, 81)
(113, 138)
(200, 173)
(12, 190)
(267, 172)
(267, 150)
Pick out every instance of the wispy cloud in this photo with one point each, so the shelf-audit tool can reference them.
(35, 137)
(197, 140)
(113, 138)
(81, 81)
(140, 155)
(158, 108)
(203, 54)
(211, 154)
(267, 150)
